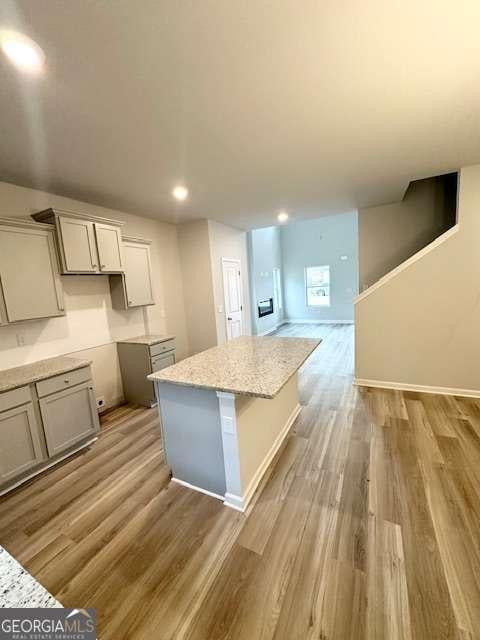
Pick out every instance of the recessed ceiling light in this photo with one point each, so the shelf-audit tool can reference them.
(180, 193)
(22, 51)
(282, 216)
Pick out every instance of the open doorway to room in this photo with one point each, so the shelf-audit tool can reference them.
(303, 281)
(304, 277)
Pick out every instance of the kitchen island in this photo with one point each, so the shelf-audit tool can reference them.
(226, 411)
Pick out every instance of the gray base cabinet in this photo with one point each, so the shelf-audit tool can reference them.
(20, 448)
(69, 416)
(137, 361)
(42, 423)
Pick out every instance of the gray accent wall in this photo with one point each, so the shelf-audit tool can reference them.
(321, 242)
(391, 233)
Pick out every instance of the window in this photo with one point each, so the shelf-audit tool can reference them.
(317, 282)
(277, 288)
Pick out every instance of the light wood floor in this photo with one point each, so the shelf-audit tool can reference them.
(368, 525)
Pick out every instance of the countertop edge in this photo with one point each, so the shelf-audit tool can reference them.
(136, 340)
(32, 380)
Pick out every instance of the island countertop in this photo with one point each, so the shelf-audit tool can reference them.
(18, 588)
(256, 366)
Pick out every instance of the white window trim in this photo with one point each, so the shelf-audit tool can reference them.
(317, 306)
(277, 288)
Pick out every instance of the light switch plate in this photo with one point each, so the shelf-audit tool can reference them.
(227, 424)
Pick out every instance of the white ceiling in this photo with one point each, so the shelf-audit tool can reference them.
(314, 106)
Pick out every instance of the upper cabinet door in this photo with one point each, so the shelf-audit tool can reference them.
(29, 274)
(109, 243)
(138, 277)
(78, 245)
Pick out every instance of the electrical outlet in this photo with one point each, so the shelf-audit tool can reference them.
(21, 339)
(100, 402)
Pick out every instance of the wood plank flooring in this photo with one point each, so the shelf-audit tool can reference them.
(367, 525)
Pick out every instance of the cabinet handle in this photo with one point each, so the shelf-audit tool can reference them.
(91, 388)
(103, 266)
(130, 302)
(66, 381)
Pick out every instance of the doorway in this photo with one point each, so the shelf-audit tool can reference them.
(232, 291)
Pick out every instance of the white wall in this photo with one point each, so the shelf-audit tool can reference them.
(228, 242)
(422, 326)
(194, 243)
(321, 242)
(265, 254)
(90, 324)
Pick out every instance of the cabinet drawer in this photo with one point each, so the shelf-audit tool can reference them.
(64, 381)
(160, 362)
(15, 398)
(162, 347)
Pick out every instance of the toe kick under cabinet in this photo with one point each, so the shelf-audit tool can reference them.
(43, 422)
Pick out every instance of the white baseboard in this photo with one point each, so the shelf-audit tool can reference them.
(199, 489)
(404, 386)
(240, 503)
(234, 502)
(272, 330)
(314, 321)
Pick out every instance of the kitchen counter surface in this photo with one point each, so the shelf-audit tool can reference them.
(18, 588)
(149, 340)
(40, 370)
(249, 365)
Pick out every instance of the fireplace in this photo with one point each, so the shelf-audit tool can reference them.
(265, 307)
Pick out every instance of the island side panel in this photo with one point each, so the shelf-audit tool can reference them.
(253, 430)
(262, 426)
(192, 436)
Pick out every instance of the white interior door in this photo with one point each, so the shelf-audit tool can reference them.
(232, 290)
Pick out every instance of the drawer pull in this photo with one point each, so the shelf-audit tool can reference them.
(67, 381)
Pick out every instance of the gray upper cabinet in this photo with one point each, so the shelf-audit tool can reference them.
(134, 287)
(79, 249)
(88, 244)
(109, 243)
(29, 272)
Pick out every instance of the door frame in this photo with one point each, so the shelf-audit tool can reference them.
(239, 263)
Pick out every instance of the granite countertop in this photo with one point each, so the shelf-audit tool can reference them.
(149, 340)
(252, 366)
(18, 588)
(40, 370)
